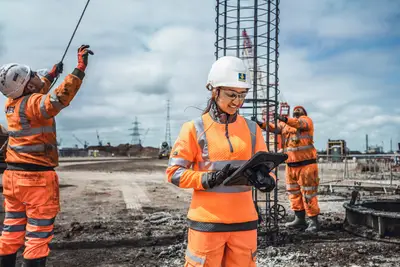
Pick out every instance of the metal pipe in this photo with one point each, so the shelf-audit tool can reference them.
(225, 24)
(255, 54)
(238, 29)
(217, 31)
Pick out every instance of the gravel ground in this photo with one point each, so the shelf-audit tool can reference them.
(122, 213)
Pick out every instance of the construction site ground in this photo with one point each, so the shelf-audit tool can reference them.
(121, 212)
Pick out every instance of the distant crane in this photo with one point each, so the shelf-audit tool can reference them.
(98, 138)
(85, 144)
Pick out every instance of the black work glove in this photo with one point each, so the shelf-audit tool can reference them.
(260, 123)
(259, 178)
(282, 118)
(218, 177)
(56, 70)
(83, 54)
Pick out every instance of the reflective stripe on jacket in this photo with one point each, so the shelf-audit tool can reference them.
(31, 123)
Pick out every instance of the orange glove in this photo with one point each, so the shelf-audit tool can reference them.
(83, 54)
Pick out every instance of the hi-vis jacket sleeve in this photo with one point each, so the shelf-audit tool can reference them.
(271, 128)
(46, 106)
(183, 154)
(302, 123)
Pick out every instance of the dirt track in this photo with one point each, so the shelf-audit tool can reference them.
(122, 213)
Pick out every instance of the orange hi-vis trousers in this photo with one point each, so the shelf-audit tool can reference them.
(31, 205)
(221, 249)
(302, 187)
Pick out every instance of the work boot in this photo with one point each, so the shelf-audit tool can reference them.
(8, 260)
(41, 262)
(299, 220)
(313, 226)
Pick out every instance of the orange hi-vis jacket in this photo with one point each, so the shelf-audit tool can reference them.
(297, 139)
(208, 144)
(31, 123)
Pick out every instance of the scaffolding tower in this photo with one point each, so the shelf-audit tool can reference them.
(249, 29)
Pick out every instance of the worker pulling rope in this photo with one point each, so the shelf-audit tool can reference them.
(70, 40)
(60, 64)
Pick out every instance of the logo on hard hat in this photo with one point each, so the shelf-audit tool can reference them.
(242, 77)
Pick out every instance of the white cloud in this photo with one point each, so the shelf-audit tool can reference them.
(148, 51)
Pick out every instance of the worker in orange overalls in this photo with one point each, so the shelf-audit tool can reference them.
(222, 219)
(30, 184)
(302, 170)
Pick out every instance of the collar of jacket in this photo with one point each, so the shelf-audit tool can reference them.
(219, 116)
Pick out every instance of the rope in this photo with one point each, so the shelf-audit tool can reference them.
(65, 52)
(70, 40)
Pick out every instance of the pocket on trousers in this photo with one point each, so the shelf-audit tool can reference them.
(194, 259)
(31, 188)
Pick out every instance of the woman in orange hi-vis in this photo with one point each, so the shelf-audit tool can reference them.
(222, 219)
(30, 184)
(302, 170)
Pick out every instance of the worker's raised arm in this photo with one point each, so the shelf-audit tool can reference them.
(271, 128)
(49, 77)
(183, 155)
(270, 125)
(46, 106)
(302, 123)
(49, 105)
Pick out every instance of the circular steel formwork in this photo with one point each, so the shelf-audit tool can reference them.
(378, 220)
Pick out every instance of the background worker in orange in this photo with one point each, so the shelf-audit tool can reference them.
(222, 219)
(302, 170)
(30, 184)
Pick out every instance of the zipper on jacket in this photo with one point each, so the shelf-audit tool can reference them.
(227, 133)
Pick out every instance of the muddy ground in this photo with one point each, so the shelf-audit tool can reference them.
(122, 213)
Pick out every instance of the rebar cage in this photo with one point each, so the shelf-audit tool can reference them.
(249, 29)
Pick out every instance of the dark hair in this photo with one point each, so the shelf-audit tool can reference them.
(209, 104)
(212, 100)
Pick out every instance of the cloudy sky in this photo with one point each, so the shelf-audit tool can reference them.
(338, 58)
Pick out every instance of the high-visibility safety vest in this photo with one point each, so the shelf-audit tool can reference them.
(297, 139)
(31, 123)
(207, 145)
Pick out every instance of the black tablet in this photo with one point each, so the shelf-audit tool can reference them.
(269, 159)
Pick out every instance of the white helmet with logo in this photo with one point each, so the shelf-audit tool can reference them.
(13, 79)
(229, 71)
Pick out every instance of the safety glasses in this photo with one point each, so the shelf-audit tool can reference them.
(232, 95)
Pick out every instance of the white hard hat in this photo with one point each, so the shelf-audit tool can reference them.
(13, 79)
(229, 71)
